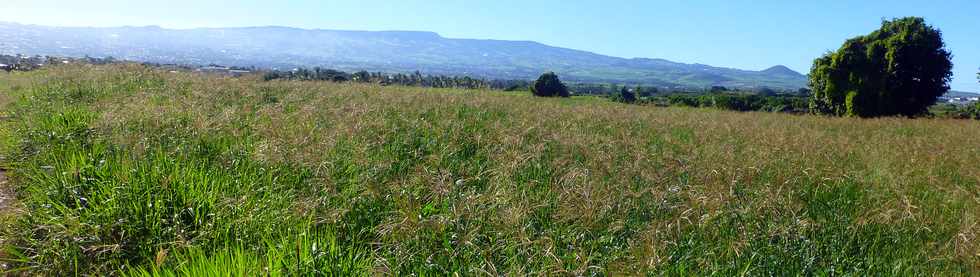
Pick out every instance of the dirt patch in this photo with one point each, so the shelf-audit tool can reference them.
(6, 205)
(6, 193)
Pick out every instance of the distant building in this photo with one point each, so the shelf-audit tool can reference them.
(960, 100)
(238, 73)
(224, 69)
(213, 68)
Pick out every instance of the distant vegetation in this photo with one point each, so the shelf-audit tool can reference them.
(968, 111)
(737, 102)
(900, 69)
(415, 79)
(625, 95)
(548, 85)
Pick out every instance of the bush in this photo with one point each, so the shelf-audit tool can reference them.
(625, 95)
(548, 85)
(946, 110)
(972, 111)
(683, 100)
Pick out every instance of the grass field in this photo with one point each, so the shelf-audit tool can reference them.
(124, 170)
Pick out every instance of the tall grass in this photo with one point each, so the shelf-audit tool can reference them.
(130, 171)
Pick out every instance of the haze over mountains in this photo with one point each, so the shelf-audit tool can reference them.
(389, 51)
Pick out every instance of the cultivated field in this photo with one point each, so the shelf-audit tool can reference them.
(131, 171)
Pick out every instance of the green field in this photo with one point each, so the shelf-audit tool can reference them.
(125, 170)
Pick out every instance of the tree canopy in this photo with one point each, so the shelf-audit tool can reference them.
(900, 69)
(548, 85)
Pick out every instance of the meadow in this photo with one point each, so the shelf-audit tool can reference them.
(131, 171)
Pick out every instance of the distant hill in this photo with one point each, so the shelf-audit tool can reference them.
(781, 70)
(954, 93)
(390, 51)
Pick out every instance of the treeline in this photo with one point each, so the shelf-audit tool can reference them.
(414, 79)
(762, 99)
(611, 89)
(727, 100)
(737, 102)
(646, 91)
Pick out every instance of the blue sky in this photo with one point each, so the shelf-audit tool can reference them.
(740, 34)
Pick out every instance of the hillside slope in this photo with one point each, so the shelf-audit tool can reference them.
(400, 51)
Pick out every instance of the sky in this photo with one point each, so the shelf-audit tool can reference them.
(728, 33)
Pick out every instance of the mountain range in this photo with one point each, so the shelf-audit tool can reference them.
(388, 51)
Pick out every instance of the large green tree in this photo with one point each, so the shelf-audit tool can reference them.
(900, 69)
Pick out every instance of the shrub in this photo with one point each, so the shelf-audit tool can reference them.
(719, 89)
(548, 85)
(625, 95)
(972, 111)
